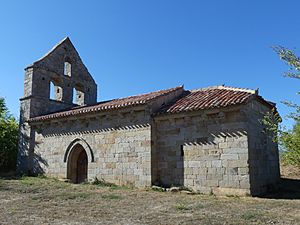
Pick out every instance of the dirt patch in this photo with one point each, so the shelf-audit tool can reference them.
(48, 201)
(290, 171)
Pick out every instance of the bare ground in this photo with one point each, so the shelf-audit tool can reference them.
(290, 171)
(31, 200)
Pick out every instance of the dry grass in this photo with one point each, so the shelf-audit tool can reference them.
(48, 201)
(289, 171)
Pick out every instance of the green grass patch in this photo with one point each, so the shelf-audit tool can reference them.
(41, 176)
(28, 181)
(112, 196)
(116, 187)
(182, 206)
(199, 206)
(252, 215)
(233, 196)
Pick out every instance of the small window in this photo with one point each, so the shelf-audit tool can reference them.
(67, 69)
(55, 92)
(78, 97)
(181, 151)
(52, 92)
(74, 96)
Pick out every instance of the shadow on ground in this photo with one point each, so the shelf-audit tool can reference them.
(287, 189)
(10, 175)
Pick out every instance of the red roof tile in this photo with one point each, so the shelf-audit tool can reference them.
(108, 105)
(207, 98)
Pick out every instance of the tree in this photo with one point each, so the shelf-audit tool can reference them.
(293, 61)
(8, 139)
(288, 139)
(291, 142)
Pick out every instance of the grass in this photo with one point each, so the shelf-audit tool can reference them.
(40, 200)
(182, 206)
(251, 215)
(103, 183)
(233, 196)
(112, 196)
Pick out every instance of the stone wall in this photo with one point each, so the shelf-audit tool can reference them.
(263, 152)
(221, 151)
(206, 151)
(120, 144)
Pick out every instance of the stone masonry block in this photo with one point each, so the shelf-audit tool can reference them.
(233, 156)
(243, 170)
(237, 163)
(235, 150)
(216, 163)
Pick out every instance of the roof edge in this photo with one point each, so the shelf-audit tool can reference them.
(50, 51)
(251, 91)
(78, 110)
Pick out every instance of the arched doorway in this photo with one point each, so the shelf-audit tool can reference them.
(77, 164)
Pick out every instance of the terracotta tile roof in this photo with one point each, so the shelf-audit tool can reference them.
(204, 98)
(108, 105)
(211, 97)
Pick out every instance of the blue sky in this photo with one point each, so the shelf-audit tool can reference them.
(132, 47)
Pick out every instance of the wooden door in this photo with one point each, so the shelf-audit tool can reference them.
(82, 165)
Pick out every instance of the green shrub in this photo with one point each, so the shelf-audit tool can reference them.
(8, 139)
(291, 142)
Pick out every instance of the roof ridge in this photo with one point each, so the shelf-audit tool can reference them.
(131, 96)
(248, 90)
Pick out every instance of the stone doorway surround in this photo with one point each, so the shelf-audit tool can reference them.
(78, 157)
(77, 164)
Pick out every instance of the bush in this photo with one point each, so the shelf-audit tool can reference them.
(8, 139)
(291, 143)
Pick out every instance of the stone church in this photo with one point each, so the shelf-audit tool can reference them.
(209, 139)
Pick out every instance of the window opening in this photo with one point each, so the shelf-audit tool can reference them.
(56, 92)
(78, 97)
(67, 69)
(52, 92)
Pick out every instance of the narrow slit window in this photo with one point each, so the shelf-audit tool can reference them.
(68, 69)
(74, 96)
(52, 91)
(181, 151)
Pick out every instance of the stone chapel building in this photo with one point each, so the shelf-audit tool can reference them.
(210, 139)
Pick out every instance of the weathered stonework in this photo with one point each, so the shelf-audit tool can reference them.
(207, 152)
(121, 148)
(170, 138)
